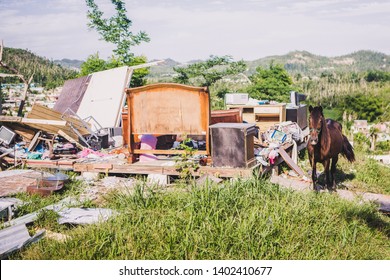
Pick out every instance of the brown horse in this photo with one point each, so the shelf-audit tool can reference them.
(326, 142)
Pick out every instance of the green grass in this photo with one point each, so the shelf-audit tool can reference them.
(363, 175)
(334, 114)
(242, 220)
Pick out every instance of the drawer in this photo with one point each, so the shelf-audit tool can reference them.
(267, 110)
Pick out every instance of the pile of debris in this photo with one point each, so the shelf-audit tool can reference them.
(85, 119)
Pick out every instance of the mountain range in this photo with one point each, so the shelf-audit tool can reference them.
(294, 62)
(302, 62)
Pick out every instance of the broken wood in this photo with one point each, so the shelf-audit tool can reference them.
(45, 122)
(290, 162)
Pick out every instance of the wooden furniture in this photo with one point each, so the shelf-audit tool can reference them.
(167, 109)
(232, 145)
(125, 127)
(264, 116)
(226, 116)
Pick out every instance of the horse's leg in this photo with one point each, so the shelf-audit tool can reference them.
(327, 173)
(314, 173)
(333, 171)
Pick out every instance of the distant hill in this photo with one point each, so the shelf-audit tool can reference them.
(69, 63)
(310, 64)
(51, 73)
(46, 72)
(305, 63)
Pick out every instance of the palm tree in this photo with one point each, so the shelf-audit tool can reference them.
(373, 135)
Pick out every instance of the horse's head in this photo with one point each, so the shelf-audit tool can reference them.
(316, 122)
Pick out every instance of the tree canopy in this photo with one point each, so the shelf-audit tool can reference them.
(115, 30)
(273, 83)
(206, 73)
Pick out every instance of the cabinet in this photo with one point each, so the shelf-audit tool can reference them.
(232, 145)
(264, 116)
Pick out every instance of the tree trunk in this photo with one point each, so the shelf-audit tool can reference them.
(373, 140)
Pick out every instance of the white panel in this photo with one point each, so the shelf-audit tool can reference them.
(267, 110)
(236, 98)
(105, 96)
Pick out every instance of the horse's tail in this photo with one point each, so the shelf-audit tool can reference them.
(348, 150)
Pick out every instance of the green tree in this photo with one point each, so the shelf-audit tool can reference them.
(207, 73)
(373, 135)
(273, 83)
(93, 64)
(364, 106)
(116, 30)
(377, 76)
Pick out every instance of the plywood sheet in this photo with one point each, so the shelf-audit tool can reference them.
(105, 96)
(72, 94)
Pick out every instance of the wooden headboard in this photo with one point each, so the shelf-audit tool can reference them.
(168, 108)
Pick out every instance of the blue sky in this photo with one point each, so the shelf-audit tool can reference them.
(189, 29)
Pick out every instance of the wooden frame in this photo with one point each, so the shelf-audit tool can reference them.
(167, 109)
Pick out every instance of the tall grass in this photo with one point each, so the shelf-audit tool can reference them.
(241, 220)
(365, 174)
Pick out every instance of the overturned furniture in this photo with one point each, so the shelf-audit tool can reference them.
(167, 109)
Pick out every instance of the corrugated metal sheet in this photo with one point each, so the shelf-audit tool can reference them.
(72, 94)
(29, 218)
(6, 206)
(84, 215)
(14, 238)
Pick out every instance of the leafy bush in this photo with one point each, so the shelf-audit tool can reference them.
(272, 84)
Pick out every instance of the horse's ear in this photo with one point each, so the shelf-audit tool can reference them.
(320, 107)
(310, 108)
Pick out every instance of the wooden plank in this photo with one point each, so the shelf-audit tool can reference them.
(166, 152)
(34, 141)
(10, 119)
(104, 166)
(45, 122)
(149, 168)
(290, 162)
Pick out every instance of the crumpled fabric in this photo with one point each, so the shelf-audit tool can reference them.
(272, 156)
(148, 142)
(89, 152)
